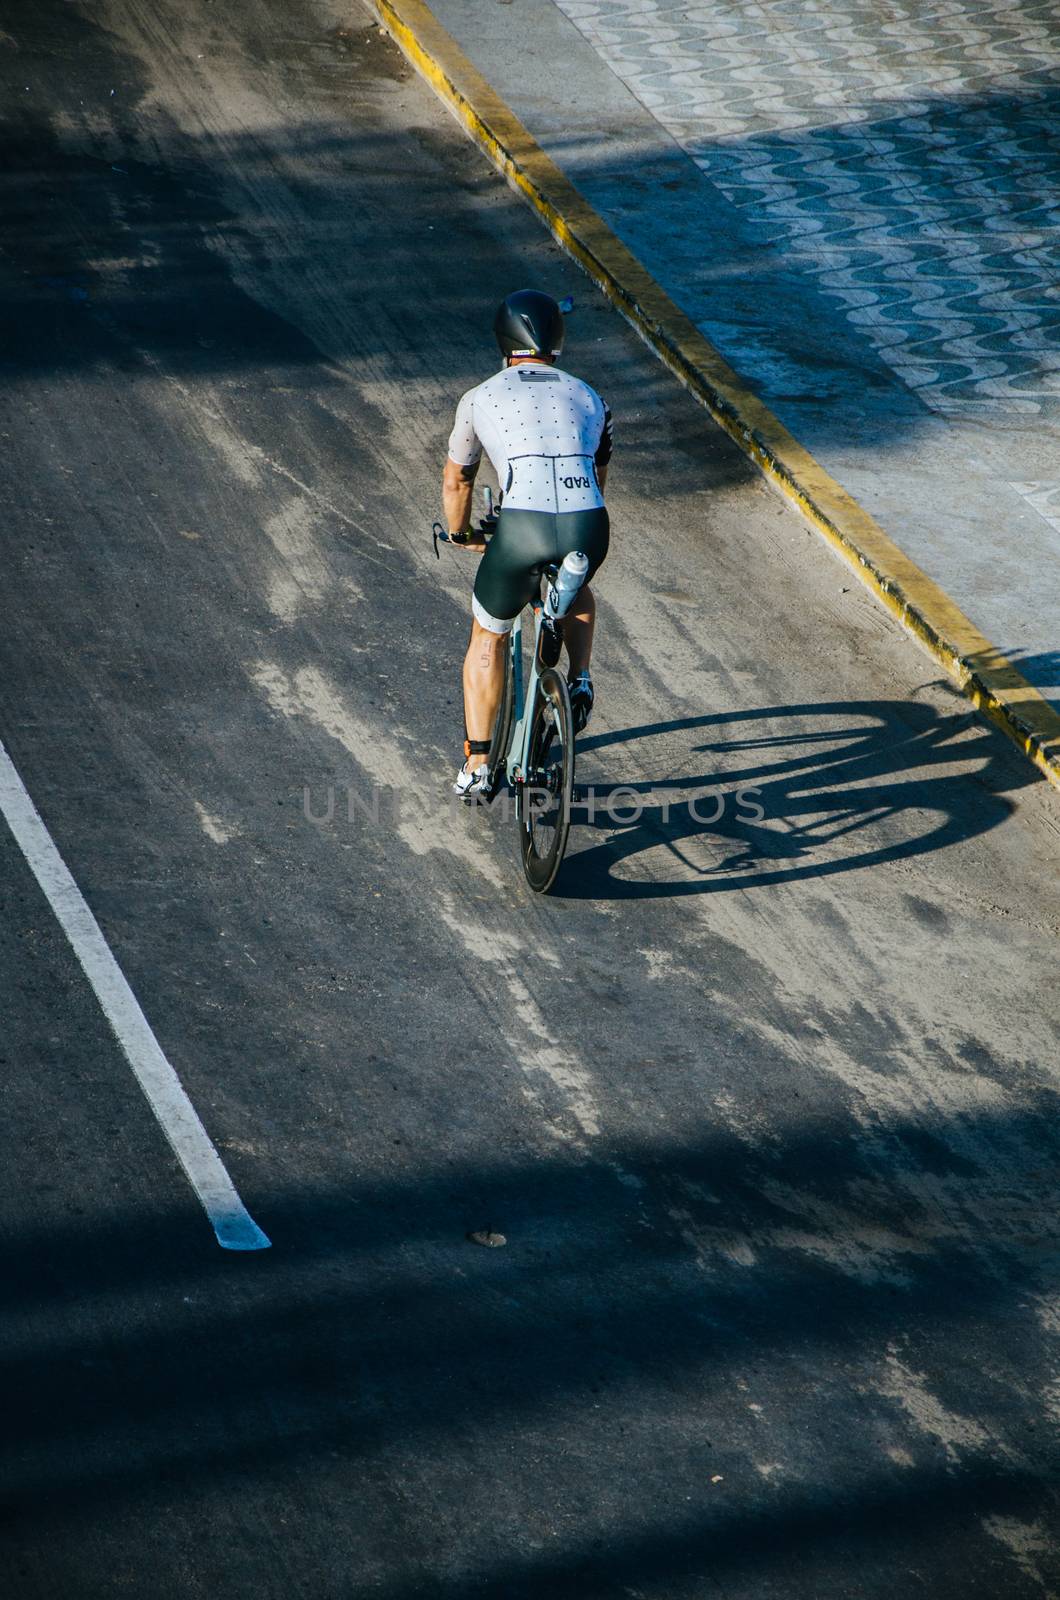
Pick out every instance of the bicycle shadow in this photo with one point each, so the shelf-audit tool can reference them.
(853, 785)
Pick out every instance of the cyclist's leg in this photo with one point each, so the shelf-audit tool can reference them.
(483, 687)
(578, 626)
(483, 683)
(507, 580)
(589, 532)
(510, 570)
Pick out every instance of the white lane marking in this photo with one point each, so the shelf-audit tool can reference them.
(177, 1117)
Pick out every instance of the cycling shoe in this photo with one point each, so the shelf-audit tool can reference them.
(581, 700)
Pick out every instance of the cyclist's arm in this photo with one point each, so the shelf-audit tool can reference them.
(458, 484)
(461, 466)
(603, 449)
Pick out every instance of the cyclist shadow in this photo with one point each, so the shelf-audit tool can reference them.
(852, 785)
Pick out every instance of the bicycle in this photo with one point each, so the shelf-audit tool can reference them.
(534, 752)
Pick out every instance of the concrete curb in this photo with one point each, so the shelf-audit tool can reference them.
(984, 674)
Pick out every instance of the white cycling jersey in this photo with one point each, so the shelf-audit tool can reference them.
(545, 432)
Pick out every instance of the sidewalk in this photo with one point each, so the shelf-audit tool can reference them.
(857, 206)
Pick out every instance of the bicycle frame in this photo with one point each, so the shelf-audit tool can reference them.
(535, 709)
(515, 762)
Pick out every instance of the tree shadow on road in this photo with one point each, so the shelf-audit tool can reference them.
(725, 1365)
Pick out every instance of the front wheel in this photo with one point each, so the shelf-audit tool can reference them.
(549, 782)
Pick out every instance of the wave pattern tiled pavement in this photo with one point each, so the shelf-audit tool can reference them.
(906, 155)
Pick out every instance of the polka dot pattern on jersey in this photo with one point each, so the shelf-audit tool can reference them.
(542, 430)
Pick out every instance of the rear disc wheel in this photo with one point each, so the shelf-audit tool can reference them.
(549, 783)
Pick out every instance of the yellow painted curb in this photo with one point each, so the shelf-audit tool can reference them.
(986, 676)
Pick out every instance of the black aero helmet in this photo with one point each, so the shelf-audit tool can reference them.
(529, 323)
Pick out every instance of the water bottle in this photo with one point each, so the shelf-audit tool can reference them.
(569, 580)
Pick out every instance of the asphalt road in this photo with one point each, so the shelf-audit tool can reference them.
(765, 1108)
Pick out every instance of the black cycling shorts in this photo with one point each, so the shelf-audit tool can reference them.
(525, 543)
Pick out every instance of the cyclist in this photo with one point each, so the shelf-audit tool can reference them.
(548, 436)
